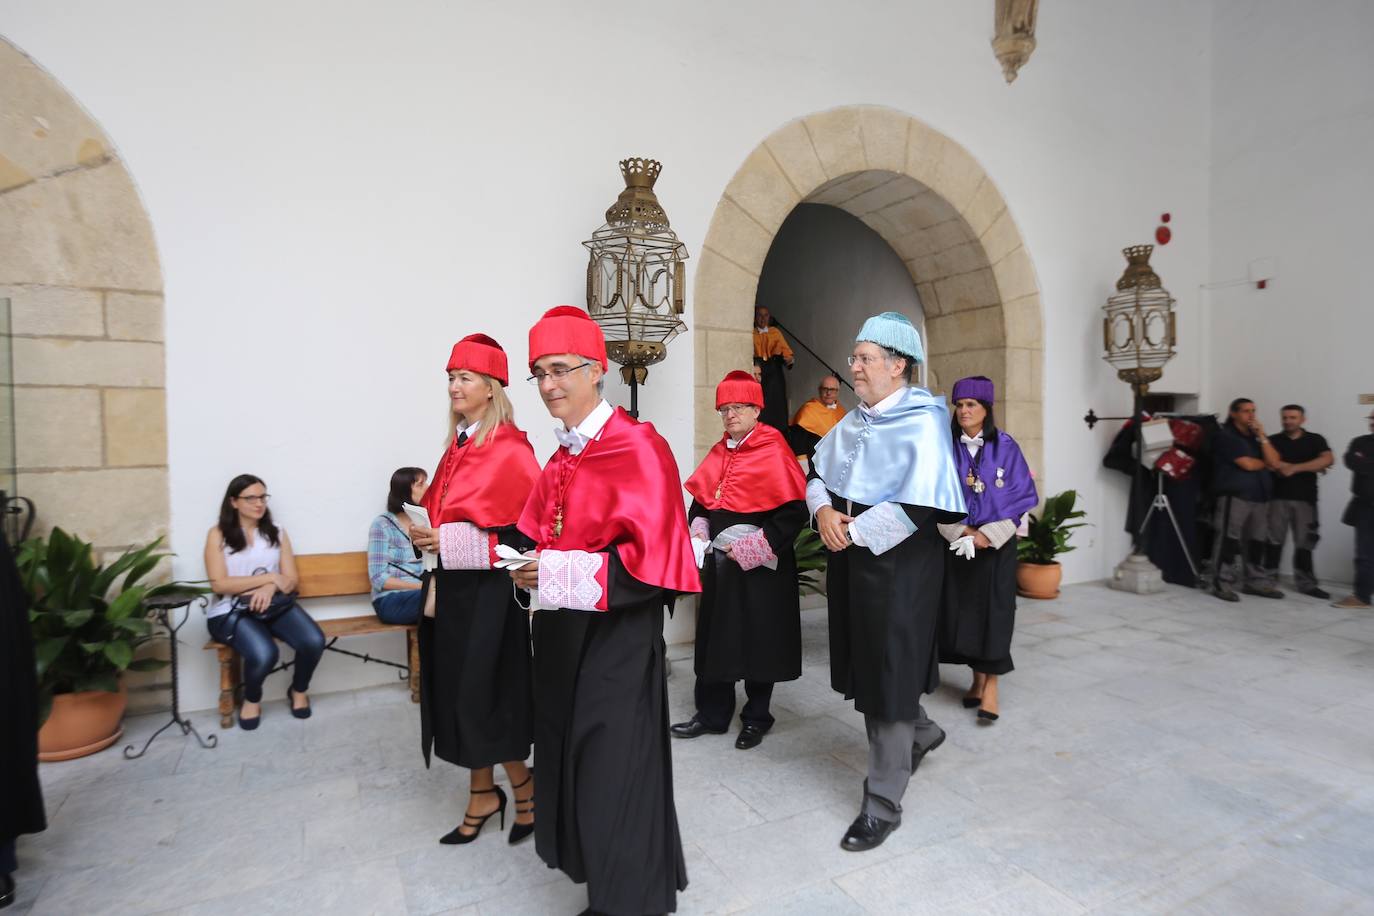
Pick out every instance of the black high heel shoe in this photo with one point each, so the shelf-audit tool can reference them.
(456, 837)
(519, 831)
(972, 702)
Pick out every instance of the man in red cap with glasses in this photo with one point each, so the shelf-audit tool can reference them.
(611, 550)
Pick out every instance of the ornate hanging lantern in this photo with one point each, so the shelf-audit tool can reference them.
(636, 280)
(1138, 333)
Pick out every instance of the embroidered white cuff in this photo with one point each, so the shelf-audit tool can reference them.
(569, 579)
(700, 528)
(816, 495)
(752, 551)
(462, 545)
(952, 532)
(998, 532)
(881, 528)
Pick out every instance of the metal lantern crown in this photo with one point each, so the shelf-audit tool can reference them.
(1138, 330)
(636, 281)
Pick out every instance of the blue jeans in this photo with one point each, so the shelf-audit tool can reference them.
(400, 606)
(254, 641)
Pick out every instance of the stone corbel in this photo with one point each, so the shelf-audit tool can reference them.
(1015, 35)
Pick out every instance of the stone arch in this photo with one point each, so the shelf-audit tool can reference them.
(79, 264)
(932, 202)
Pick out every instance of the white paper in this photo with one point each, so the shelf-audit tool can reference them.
(510, 558)
(419, 515)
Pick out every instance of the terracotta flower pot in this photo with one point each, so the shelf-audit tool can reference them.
(1038, 580)
(82, 723)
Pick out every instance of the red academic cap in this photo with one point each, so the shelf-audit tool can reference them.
(739, 387)
(479, 353)
(565, 329)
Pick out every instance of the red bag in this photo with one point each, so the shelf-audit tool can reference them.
(1176, 463)
(1187, 434)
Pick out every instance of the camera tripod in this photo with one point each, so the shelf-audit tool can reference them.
(1161, 502)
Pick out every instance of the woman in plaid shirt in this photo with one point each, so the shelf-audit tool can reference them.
(391, 562)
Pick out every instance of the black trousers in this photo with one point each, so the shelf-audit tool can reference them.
(8, 863)
(1364, 553)
(716, 703)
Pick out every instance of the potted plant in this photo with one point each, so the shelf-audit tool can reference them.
(810, 554)
(87, 623)
(1038, 573)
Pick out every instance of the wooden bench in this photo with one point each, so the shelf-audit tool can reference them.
(324, 575)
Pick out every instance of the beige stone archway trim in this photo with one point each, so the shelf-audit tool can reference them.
(937, 208)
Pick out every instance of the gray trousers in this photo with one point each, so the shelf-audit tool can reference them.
(889, 761)
(1300, 518)
(1242, 529)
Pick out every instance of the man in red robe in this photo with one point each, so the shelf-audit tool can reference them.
(612, 550)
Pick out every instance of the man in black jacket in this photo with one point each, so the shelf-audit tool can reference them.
(21, 796)
(1359, 457)
(1243, 458)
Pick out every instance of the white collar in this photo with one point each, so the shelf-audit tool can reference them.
(758, 330)
(882, 406)
(576, 439)
(732, 444)
(976, 440)
(830, 406)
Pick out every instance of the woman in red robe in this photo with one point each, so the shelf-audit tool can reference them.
(476, 701)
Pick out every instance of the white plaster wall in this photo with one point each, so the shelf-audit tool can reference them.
(824, 275)
(1292, 138)
(340, 190)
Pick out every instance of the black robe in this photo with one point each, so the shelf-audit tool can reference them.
(476, 689)
(978, 609)
(749, 623)
(605, 789)
(21, 795)
(883, 611)
(774, 381)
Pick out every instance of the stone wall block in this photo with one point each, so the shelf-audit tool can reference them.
(960, 259)
(918, 212)
(958, 176)
(984, 208)
(792, 148)
(930, 302)
(884, 133)
(1001, 238)
(43, 130)
(1024, 374)
(57, 428)
(727, 351)
(980, 329)
(925, 150)
(109, 507)
(86, 228)
(949, 367)
(133, 316)
(761, 189)
(1015, 276)
(58, 361)
(838, 141)
(135, 427)
(1024, 325)
(1022, 419)
(966, 292)
(54, 311)
(723, 295)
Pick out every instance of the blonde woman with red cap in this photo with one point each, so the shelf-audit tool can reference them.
(611, 551)
(476, 704)
(748, 503)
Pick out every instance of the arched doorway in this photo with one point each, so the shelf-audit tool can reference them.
(932, 203)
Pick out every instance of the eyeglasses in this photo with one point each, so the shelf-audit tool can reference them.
(730, 409)
(830, 391)
(866, 360)
(264, 498)
(557, 374)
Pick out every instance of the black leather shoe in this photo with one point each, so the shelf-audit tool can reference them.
(750, 736)
(917, 755)
(6, 890)
(1264, 592)
(1224, 593)
(694, 728)
(867, 832)
(1315, 592)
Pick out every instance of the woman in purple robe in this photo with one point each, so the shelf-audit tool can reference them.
(978, 604)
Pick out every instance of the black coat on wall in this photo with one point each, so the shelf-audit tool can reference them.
(21, 795)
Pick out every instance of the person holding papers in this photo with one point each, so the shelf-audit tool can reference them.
(475, 651)
(748, 503)
(610, 552)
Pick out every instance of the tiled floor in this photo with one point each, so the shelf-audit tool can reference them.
(1156, 754)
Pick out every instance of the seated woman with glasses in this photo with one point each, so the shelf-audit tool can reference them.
(253, 571)
(397, 595)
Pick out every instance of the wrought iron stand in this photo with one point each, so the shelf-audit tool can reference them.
(163, 607)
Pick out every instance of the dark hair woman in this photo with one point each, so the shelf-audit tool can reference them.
(476, 699)
(978, 603)
(250, 564)
(395, 573)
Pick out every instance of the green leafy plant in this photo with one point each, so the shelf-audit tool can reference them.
(87, 623)
(810, 554)
(1049, 534)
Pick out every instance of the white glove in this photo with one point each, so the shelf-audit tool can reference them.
(699, 549)
(963, 546)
